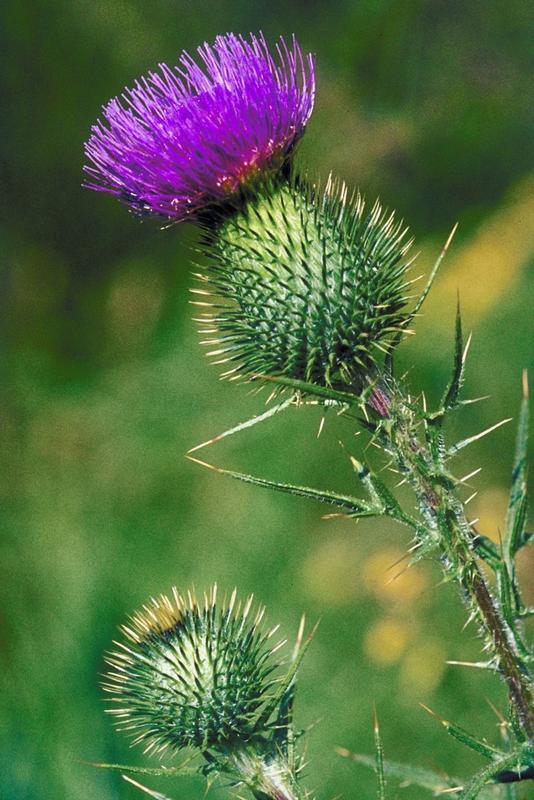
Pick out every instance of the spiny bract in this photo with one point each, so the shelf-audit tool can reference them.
(191, 675)
(305, 285)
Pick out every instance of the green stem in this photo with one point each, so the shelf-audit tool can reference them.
(452, 535)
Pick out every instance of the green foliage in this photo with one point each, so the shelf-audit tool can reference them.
(441, 527)
(409, 775)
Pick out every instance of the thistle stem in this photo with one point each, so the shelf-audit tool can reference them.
(452, 535)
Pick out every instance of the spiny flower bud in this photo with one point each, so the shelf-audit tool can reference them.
(190, 137)
(192, 675)
(305, 285)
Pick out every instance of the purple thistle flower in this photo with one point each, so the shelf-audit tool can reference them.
(190, 136)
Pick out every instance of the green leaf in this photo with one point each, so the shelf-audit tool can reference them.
(517, 507)
(466, 442)
(421, 299)
(461, 735)
(146, 790)
(379, 762)
(327, 393)
(487, 550)
(409, 775)
(351, 505)
(449, 400)
(283, 693)
(169, 771)
(249, 423)
(284, 733)
(475, 786)
(434, 272)
(507, 592)
(380, 495)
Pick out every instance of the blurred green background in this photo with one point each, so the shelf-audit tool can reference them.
(427, 104)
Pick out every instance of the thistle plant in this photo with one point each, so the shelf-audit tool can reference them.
(304, 289)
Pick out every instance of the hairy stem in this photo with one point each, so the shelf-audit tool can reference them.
(453, 536)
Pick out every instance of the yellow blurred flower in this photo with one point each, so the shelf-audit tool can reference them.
(386, 640)
(423, 667)
(385, 575)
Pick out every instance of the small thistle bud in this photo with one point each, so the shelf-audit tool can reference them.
(305, 286)
(191, 675)
(190, 137)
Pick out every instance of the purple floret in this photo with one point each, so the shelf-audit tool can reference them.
(189, 136)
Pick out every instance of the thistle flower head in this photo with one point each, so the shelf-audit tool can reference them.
(190, 136)
(305, 285)
(191, 674)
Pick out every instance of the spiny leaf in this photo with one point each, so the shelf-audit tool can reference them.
(517, 507)
(409, 775)
(145, 789)
(466, 442)
(461, 735)
(247, 424)
(434, 272)
(325, 392)
(379, 762)
(178, 770)
(507, 591)
(351, 505)
(388, 364)
(449, 400)
(287, 681)
(487, 550)
(484, 776)
(284, 734)
(380, 495)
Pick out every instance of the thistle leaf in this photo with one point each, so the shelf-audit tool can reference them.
(351, 505)
(409, 775)
(507, 591)
(305, 387)
(284, 733)
(487, 550)
(145, 789)
(449, 400)
(434, 272)
(284, 693)
(515, 536)
(249, 423)
(381, 496)
(471, 439)
(461, 735)
(169, 771)
(379, 762)
(508, 761)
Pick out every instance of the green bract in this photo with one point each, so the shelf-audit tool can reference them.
(304, 284)
(191, 675)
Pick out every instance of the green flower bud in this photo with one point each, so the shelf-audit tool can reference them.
(306, 286)
(191, 675)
